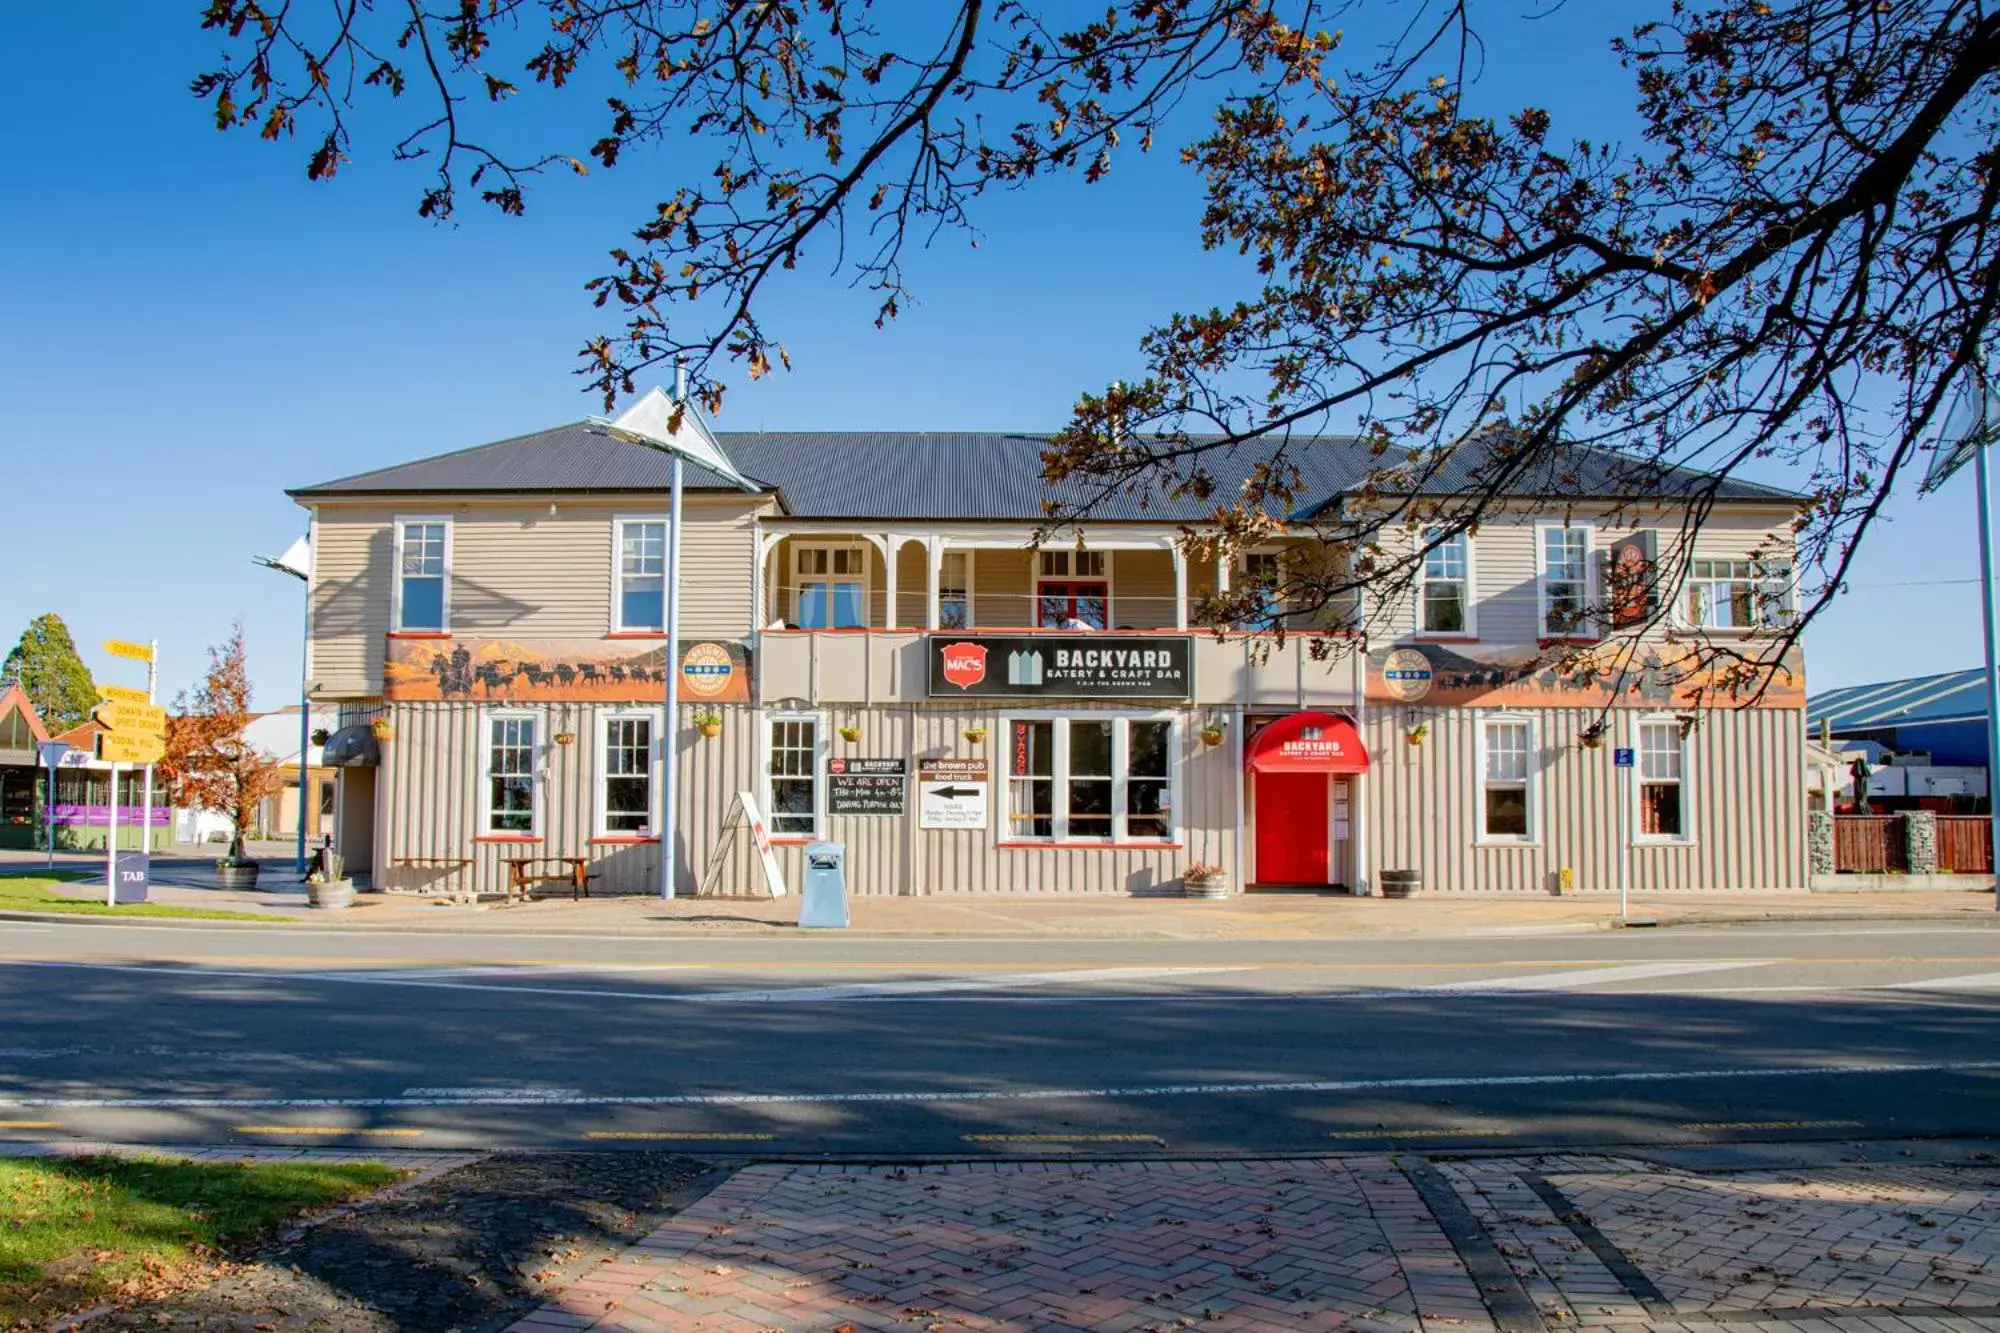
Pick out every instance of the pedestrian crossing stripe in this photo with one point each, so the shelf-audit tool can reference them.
(1066, 1138)
(677, 1136)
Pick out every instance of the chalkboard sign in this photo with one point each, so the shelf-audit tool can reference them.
(867, 787)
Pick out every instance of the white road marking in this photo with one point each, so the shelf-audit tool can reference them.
(1977, 981)
(1592, 976)
(390, 973)
(1312, 1086)
(869, 990)
(524, 1094)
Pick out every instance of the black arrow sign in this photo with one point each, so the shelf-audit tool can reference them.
(949, 792)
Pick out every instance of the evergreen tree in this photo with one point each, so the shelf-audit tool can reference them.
(46, 664)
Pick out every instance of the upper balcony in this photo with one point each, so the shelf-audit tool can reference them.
(846, 613)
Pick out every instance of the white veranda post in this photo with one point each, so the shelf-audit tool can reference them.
(672, 426)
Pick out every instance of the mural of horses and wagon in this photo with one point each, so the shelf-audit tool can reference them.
(587, 671)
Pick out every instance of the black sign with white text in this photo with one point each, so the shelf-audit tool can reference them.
(1065, 666)
(867, 787)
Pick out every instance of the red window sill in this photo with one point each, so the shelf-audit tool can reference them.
(1092, 846)
(791, 841)
(637, 634)
(506, 837)
(615, 841)
(420, 634)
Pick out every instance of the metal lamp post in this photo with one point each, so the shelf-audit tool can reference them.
(1970, 427)
(671, 426)
(297, 562)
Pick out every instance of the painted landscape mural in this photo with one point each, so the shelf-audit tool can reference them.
(561, 670)
(1614, 675)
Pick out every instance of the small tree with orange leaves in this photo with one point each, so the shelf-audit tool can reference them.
(209, 765)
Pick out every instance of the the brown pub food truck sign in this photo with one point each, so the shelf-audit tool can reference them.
(1081, 666)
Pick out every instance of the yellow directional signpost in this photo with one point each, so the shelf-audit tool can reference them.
(135, 732)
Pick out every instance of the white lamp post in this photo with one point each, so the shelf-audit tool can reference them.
(1972, 424)
(650, 423)
(297, 562)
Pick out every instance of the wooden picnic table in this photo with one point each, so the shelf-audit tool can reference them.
(577, 874)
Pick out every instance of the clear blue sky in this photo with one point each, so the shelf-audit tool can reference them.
(187, 327)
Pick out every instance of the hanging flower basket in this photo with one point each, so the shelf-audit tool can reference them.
(850, 734)
(1211, 736)
(383, 729)
(320, 735)
(708, 723)
(1591, 737)
(976, 735)
(1416, 735)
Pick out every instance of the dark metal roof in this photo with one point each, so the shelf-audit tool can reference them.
(977, 475)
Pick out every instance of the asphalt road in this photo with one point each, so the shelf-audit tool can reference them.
(879, 1048)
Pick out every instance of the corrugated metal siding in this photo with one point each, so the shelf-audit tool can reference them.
(430, 810)
(1744, 796)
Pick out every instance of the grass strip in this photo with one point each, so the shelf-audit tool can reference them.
(33, 893)
(80, 1231)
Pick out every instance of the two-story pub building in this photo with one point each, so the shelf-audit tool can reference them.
(875, 651)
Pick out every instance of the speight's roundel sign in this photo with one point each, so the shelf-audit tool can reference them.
(1406, 674)
(706, 669)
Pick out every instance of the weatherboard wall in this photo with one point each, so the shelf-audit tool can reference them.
(518, 571)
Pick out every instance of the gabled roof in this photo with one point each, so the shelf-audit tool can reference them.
(13, 697)
(925, 475)
(1951, 696)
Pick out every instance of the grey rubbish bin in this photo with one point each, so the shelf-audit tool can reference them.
(823, 905)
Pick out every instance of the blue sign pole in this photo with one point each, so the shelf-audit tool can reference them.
(53, 753)
(1622, 760)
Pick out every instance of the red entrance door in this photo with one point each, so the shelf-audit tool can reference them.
(1291, 828)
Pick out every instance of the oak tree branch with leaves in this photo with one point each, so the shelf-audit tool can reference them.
(209, 763)
(1795, 260)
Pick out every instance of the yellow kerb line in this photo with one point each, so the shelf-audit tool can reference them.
(28, 1124)
(331, 1131)
(677, 1136)
(1065, 1138)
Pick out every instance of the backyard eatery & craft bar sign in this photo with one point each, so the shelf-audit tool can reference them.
(1095, 666)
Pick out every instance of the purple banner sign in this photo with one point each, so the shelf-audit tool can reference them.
(98, 816)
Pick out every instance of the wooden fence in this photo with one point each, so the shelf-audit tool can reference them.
(1965, 844)
(1870, 844)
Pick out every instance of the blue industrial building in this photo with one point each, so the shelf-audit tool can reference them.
(1944, 715)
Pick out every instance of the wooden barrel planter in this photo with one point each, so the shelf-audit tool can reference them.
(1402, 883)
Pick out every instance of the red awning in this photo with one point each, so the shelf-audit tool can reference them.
(1307, 743)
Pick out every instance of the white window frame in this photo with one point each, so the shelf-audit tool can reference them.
(1588, 627)
(799, 548)
(1484, 720)
(536, 801)
(1110, 584)
(1471, 630)
(396, 568)
(1636, 796)
(971, 619)
(618, 522)
(822, 747)
(654, 781)
(1788, 603)
(1121, 762)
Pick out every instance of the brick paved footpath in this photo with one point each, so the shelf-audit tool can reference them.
(1601, 1243)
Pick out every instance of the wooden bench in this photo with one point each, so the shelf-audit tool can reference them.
(447, 864)
(576, 873)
